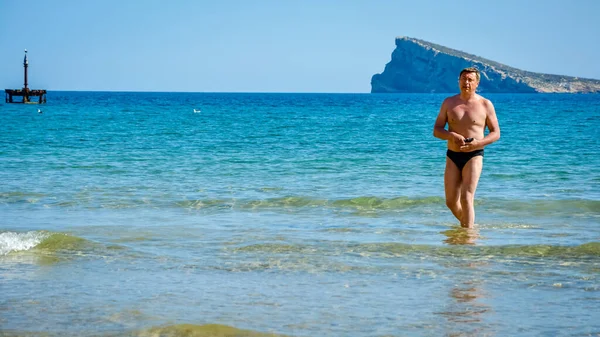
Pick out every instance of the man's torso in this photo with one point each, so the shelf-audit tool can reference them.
(466, 118)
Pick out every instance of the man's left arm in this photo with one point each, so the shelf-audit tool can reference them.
(491, 121)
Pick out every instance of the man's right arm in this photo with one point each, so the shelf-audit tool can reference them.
(439, 129)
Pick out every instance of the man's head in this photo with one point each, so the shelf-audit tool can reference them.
(468, 80)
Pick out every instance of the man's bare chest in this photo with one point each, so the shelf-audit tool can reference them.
(462, 115)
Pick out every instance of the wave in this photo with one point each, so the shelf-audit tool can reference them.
(545, 205)
(44, 242)
(14, 242)
(206, 330)
(22, 197)
(359, 203)
(118, 201)
(462, 249)
(125, 200)
(176, 330)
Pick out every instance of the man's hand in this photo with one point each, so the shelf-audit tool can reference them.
(457, 139)
(472, 146)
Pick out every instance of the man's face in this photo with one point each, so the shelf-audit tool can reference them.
(468, 82)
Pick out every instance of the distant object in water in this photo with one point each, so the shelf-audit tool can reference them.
(26, 93)
(40, 111)
(197, 111)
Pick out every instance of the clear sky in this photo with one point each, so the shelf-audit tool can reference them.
(277, 45)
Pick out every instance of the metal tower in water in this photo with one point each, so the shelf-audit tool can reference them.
(26, 93)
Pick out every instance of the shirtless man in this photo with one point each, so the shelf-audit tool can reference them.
(467, 114)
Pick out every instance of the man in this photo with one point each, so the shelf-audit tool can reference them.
(467, 114)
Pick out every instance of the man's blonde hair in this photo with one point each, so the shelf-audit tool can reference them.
(470, 70)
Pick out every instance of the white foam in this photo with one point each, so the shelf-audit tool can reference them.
(14, 242)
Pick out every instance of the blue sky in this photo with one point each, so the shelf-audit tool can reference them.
(277, 46)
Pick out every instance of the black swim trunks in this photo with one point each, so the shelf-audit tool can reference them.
(460, 159)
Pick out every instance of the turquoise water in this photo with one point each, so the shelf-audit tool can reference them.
(293, 214)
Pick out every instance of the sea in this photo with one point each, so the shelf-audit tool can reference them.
(282, 214)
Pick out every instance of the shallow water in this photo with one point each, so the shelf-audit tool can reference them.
(293, 214)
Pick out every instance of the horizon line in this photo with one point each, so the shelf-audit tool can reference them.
(303, 92)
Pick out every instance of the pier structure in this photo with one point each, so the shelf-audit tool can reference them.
(26, 93)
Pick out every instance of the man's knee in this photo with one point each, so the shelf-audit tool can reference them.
(453, 204)
(466, 198)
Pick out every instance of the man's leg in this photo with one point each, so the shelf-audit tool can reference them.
(452, 187)
(470, 178)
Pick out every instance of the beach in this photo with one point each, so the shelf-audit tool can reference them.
(130, 214)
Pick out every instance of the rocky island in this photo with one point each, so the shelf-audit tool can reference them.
(419, 66)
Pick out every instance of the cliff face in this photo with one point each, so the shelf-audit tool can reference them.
(420, 66)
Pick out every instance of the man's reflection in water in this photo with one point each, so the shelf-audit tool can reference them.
(461, 236)
(465, 312)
